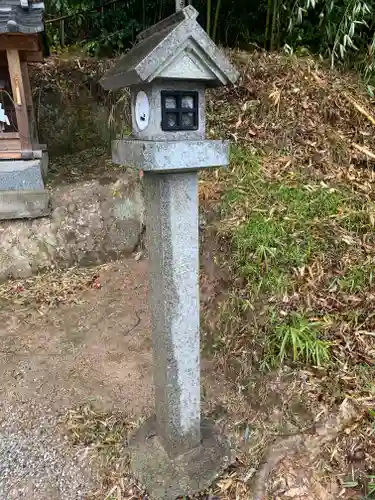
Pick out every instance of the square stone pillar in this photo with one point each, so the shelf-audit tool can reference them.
(172, 235)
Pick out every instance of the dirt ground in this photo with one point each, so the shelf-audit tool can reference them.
(96, 349)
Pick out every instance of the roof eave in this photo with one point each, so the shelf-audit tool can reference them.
(121, 80)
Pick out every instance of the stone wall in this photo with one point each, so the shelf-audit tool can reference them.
(91, 222)
(98, 218)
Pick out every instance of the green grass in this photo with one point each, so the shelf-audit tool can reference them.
(278, 224)
(299, 340)
(283, 225)
(371, 487)
(358, 278)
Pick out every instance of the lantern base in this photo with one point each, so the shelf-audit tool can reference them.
(167, 478)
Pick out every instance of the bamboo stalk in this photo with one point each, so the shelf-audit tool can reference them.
(216, 20)
(364, 150)
(359, 108)
(62, 33)
(208, 27)
(274, 18)
(268, 24)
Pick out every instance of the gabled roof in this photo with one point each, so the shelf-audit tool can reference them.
(176, 47)
(21, 16)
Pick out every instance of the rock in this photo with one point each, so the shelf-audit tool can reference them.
(297, 492)
(279, 486)
(90, 223)
(72, 208)
(347, 414)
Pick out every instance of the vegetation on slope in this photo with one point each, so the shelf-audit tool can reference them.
(296, 225)
(342, 30)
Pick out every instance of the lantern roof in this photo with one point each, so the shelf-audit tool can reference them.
(175, 48)
(21, 16)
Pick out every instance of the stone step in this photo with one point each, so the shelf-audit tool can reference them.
(21, 175)
(24, 204)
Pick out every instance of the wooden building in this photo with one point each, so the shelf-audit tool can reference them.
(23, 161)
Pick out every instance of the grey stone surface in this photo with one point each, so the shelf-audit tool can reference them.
(167, 478)
(172, 237)
(153, 131)
(44, 164)
(90, 223)
(178, 42)
(16, 19)
(21, 175)
(24, 204)
(42, 155)
(171, 156)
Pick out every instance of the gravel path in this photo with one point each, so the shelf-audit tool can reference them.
(35, 461)
(92, 348)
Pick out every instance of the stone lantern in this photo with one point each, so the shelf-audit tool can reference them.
(174, 453)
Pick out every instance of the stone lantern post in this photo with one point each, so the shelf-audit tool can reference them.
(168, 70)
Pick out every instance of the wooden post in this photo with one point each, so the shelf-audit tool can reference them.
(19, 98)
(29, 103)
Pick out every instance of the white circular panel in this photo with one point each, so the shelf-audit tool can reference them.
(142, 110)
